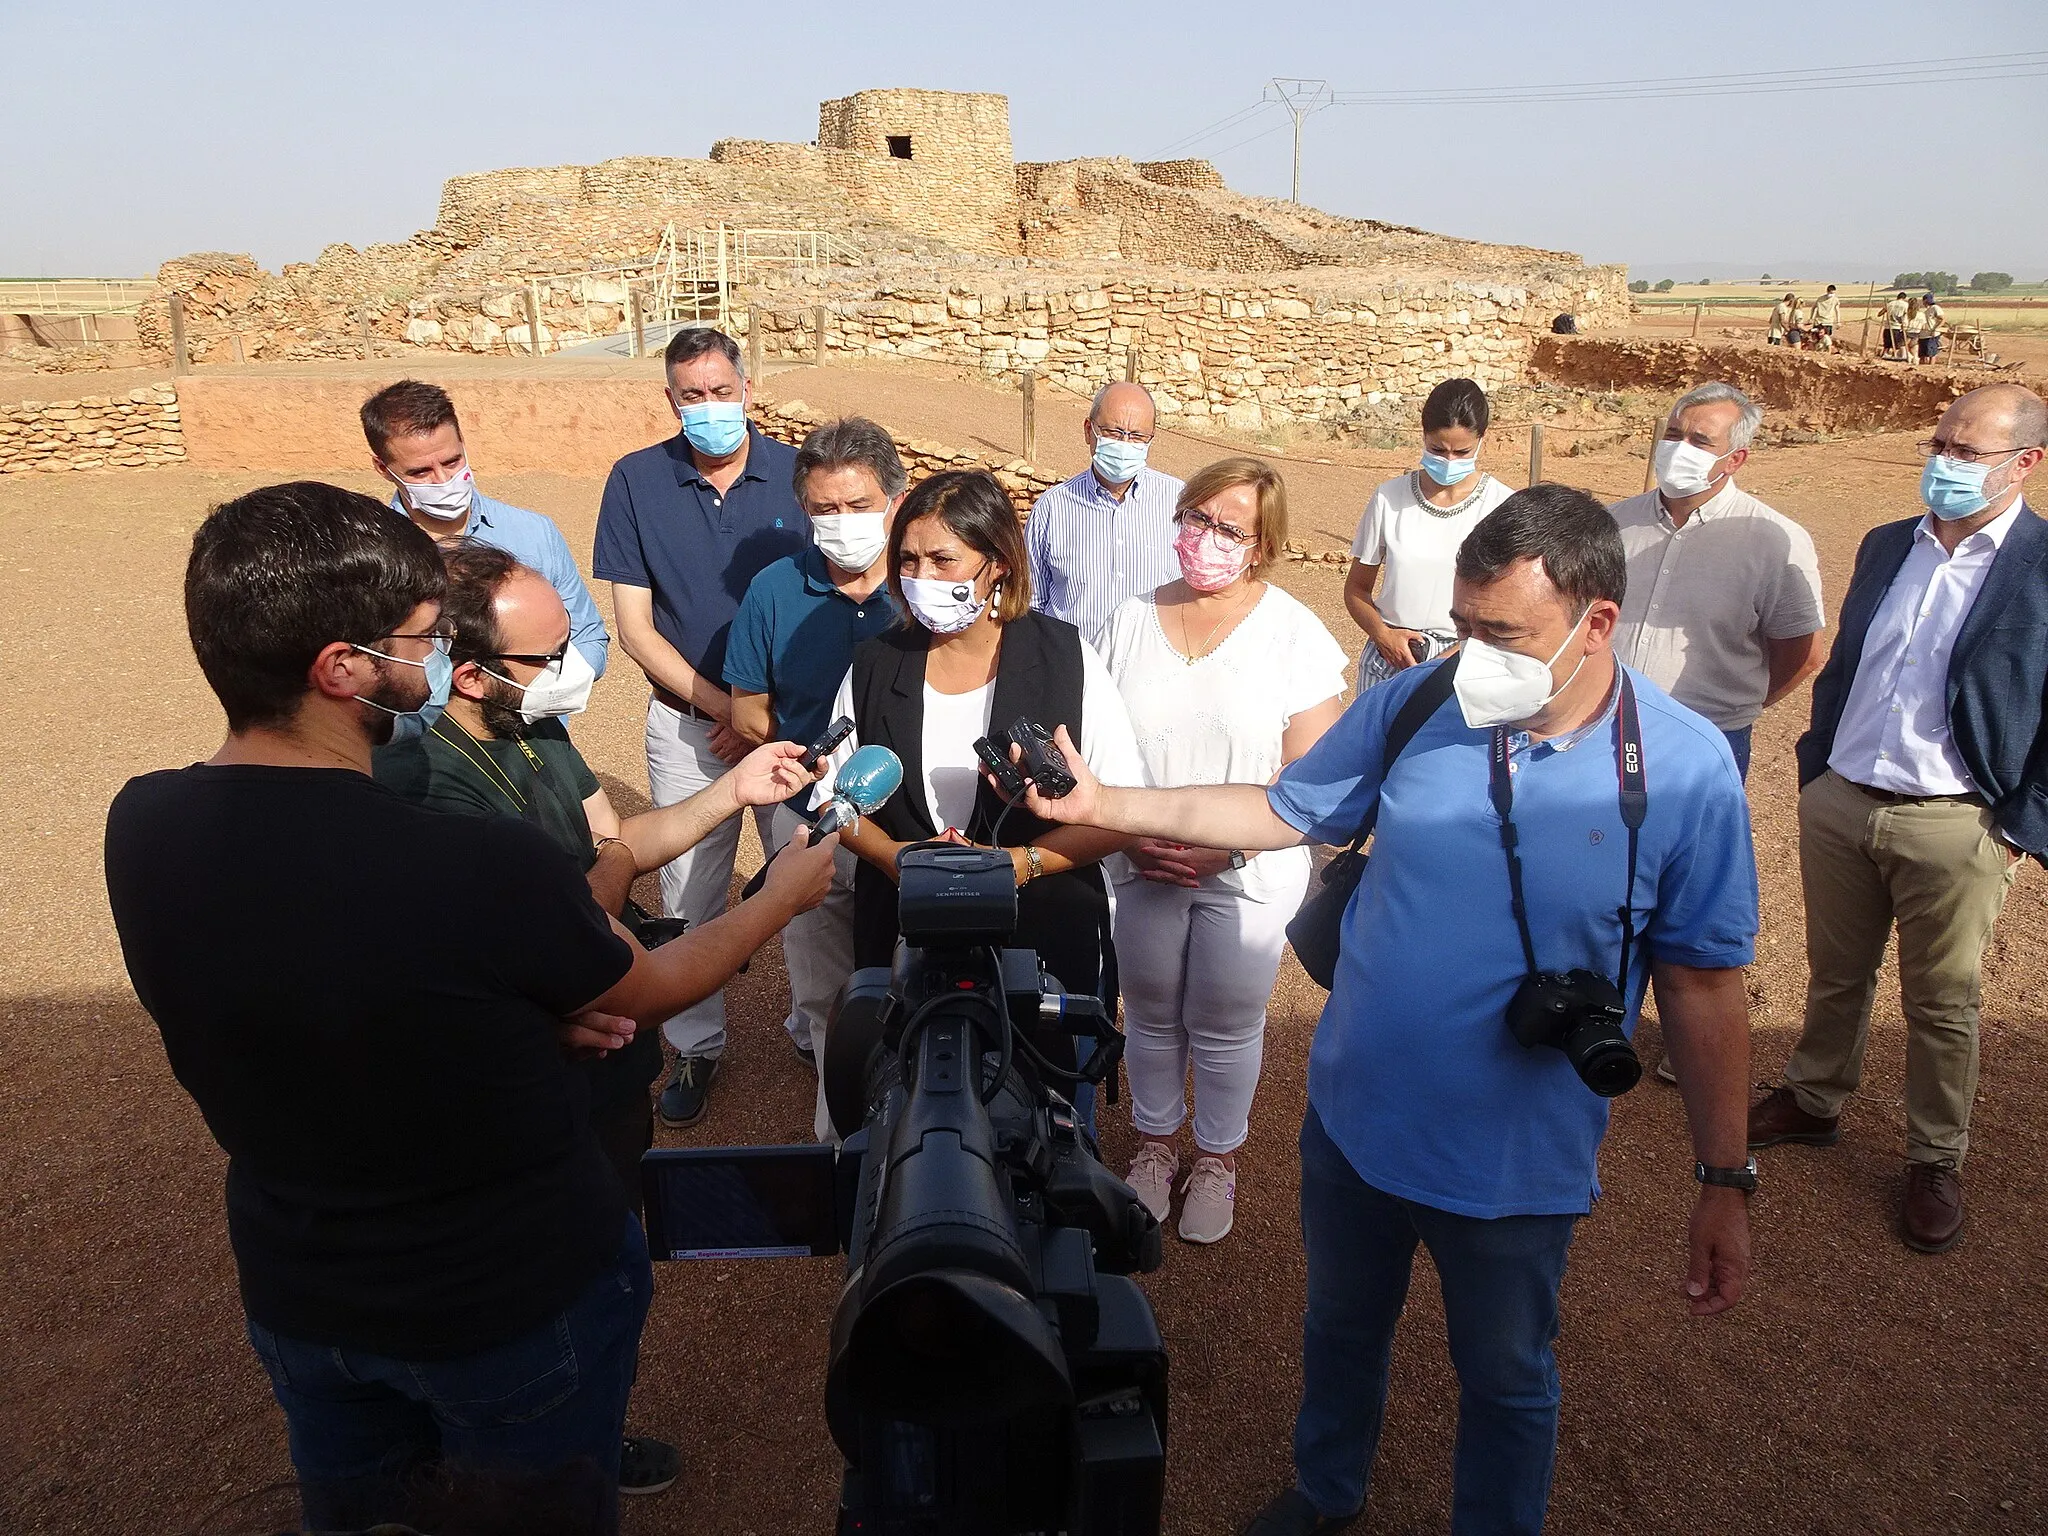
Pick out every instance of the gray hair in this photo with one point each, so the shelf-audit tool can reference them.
(1743, 433)
(849, 443)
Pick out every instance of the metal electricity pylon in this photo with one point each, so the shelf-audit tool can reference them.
(1299, 97)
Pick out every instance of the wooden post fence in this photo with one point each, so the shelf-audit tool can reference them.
(638, 316)
(1131, 364)
(1698, 310)
(363, 326)
(1536, 454)
(1030, 385)
(180, 362)
(533, 318)
(818, 335)
(753, 344)
(1650, 458)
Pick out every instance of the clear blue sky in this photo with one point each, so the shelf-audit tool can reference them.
(134, 133)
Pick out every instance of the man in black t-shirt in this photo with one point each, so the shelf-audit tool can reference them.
(437, 1264)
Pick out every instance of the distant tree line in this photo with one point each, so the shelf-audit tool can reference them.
(1948, 282)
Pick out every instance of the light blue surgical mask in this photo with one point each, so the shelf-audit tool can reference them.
(716, 427)
(408, 723)
(1118, 461)
(1954, 490)
(1446, 471)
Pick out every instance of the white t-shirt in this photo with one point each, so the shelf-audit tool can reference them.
(1416, 546)
(952, 771)
(1220, 720)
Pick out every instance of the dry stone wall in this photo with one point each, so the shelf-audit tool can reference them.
(138, 430)
(1294, 347)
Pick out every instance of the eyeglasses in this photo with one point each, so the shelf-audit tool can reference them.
(527, 658)
(1930, 446)
(1123, 434)
(443, 639)
(1202, 522)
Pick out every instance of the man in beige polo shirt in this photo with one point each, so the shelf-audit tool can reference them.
(1723, 608)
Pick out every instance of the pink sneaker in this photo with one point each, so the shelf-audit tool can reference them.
(1209, 1207)
(1152, 1174)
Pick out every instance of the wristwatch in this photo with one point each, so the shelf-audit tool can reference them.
(1032, 863)
(1743, 1178)
(1237, 859)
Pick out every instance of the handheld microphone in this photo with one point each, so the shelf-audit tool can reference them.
(863, 785)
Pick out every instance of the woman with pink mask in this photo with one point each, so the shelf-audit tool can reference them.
(1227, 679)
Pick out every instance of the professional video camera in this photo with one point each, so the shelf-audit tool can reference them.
(993, 1368)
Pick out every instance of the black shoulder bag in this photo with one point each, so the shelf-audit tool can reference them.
(1318, 927)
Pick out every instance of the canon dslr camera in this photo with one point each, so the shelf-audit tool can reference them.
(1581, 1014)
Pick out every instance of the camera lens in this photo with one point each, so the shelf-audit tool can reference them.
(1602, 1056)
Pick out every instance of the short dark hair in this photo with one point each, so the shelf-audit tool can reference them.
(408, 408)
(476, 575)
(851, 442)
(1457, 403)
(975, 507)
(1567, 529)
(280, 574)
(686, 346)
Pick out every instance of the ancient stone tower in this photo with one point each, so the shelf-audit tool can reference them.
(938, 161)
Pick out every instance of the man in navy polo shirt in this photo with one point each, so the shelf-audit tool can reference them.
(1428, 1122)
(683, 528)
(791, 646)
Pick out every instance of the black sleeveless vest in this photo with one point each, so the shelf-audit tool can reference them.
(1065, 917)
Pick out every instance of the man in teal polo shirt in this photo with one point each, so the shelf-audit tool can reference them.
(791, 645)
(1428, 1122)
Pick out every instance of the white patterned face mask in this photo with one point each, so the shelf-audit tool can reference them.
(943, 607)
(449, 501)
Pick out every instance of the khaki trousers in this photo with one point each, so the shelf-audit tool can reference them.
(1933, 868)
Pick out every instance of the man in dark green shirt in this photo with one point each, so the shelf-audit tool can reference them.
(500, 749)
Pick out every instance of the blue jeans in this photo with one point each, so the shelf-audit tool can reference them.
(534, 1423)
(1500, 1282)
(1738, 743)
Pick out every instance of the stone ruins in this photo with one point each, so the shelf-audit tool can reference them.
(935, 243)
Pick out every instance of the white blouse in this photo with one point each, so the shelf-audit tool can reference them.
(1220, 719)
(952, 722)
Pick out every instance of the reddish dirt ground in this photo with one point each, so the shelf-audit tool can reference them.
(1859, 1388)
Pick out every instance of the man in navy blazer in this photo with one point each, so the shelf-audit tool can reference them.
(1923, 785)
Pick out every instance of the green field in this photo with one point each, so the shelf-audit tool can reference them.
(2022, 307)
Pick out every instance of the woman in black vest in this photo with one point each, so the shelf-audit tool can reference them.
(973, 657)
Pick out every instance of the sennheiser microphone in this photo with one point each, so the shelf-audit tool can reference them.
(864, 783)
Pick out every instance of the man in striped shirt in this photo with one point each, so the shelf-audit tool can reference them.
(1106, 534)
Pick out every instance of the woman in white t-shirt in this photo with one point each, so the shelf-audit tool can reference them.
(1227, 679)
(1408, 539)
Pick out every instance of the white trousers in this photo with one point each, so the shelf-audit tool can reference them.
(1197, 969)
(817, 951)
(698, 884)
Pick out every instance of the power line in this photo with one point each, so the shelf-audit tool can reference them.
(1192, 139)
(1814, 78)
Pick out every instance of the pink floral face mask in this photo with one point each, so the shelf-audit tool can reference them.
(1209, 561)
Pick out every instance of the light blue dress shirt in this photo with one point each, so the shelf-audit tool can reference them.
(535, 542)
(1090, 551)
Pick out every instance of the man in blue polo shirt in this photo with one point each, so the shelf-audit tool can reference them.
(416, 443)
(1428, 1122)
(792, 644)
(683, 528)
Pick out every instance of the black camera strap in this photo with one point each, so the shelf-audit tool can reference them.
(1635, 804)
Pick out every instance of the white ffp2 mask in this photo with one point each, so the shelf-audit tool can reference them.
(563, 688)
(449, 501)
(1496, 687)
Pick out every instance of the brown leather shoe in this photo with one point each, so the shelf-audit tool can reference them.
(1934, 1207)
(1777, 1117)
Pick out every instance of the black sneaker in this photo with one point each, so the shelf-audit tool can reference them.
(806, 1054)
(683, 1101)
(648, 1466)
(1291, 1514)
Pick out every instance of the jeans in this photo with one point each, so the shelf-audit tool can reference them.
(534, 1423)
(1500, 1282)
(1738, 743)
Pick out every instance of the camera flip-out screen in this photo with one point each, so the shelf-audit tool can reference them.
(740, 1202)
